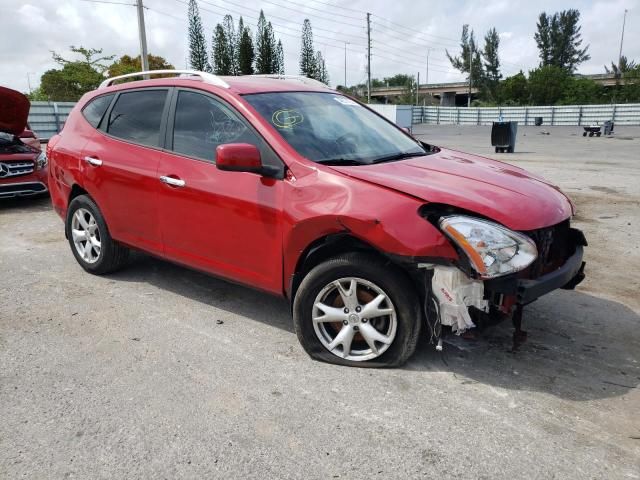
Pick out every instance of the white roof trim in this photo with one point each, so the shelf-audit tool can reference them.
(204, 76)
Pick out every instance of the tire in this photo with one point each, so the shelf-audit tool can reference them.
(103, 255)
(373, 276)
(497, 150)
(584, 134)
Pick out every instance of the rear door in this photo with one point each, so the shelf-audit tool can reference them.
(121, 164)
(227, 223)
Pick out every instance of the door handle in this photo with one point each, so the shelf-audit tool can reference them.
(96, 162)
(174, 182)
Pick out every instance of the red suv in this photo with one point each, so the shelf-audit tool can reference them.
(23, 165)
(285, 185)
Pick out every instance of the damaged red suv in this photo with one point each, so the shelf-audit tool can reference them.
(23, 165)
(292, 188)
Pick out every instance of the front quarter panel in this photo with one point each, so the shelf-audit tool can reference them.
(326, 203)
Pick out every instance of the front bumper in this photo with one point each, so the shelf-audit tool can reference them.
(567, 277)
(25, 185)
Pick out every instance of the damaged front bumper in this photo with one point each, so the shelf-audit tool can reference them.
(455, 295)
(567, 277)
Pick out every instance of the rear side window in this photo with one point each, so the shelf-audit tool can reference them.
(95, 109)
(136, 117)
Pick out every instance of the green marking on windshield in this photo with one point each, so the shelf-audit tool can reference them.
(286, 118)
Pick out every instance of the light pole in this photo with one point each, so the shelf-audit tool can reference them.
(470, 70)
(144, 60)
(345, 64)
(624, 20)
(29, 80)
(427, 78)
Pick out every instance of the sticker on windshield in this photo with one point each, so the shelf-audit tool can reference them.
(286, 118)
(345, 101)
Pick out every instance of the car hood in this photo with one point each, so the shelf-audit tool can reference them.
(505, 193)
(14, 110)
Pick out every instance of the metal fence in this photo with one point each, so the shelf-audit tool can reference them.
(47, 118)
(621, 114)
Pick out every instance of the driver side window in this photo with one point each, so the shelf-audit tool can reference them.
(201, 124)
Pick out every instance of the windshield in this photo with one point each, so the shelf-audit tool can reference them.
(333, 129)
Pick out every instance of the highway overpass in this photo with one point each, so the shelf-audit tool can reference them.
(450, 94)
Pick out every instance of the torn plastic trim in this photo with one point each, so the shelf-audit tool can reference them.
(454, 292)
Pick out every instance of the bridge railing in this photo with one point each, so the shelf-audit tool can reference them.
(621, 114)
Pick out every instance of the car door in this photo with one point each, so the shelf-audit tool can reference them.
(121, 161)
(226, 223)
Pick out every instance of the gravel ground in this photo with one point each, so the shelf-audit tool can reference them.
(161, 372)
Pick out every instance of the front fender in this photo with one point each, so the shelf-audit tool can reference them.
(385, 219)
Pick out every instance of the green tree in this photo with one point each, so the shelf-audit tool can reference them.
(69, 83)
(629, 91)
(128, 64)
(582, 91)
(280, 58)
(232, 44)
(37, 95)
(221, 53)
(265, 47)
(559, 40)
(198, 59)
(307, 55)
(492, 75)
(469, 61)
(547, 84)
(76, 76)
(623, 66)
(398, 80)
(321, 73)
(245, 50)
(513, 90)
(87, 54)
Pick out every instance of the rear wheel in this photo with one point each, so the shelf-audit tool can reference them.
(90, 240)
(357, 310)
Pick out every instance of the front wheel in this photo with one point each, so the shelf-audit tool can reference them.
(357, 310)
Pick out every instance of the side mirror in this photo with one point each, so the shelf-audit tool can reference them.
(241, 157)
(26, 133)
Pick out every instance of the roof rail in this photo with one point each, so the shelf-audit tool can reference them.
(299, 78)
(204, 76)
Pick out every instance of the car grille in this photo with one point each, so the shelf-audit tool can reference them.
(553, 244)
(15, 169)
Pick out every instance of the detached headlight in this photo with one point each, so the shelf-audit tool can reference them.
(492, 249)
(41, 161)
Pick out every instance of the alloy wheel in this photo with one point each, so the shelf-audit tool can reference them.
(86, 235)
(354, 319)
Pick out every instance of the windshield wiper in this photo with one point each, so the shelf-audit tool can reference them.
(339, 161)
(399, 156)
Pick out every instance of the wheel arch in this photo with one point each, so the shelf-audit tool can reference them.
(326, 247)
(76, 191)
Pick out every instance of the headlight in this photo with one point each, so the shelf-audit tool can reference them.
(492, 249)
(41, 161)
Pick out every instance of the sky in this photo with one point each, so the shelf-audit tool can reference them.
(403, 32)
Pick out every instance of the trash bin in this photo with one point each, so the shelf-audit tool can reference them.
(503, 136)
(538, 121)
(608, 127)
